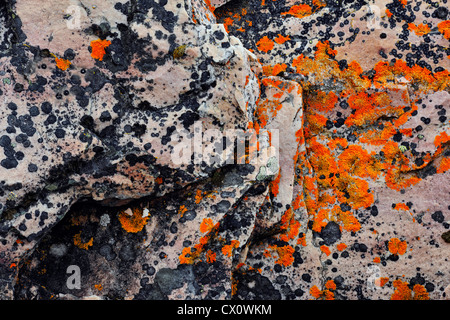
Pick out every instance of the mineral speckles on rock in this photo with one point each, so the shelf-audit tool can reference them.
(351, 204)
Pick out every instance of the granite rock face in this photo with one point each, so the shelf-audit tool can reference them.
(224, 150)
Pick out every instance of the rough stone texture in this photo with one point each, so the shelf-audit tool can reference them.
(349, 101)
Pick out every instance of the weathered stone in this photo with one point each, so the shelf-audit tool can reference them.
(120, 121)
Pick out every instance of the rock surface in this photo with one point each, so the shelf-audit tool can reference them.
(124, 156)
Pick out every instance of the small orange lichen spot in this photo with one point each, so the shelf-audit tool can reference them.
(227, 249)
(265, 44)
(159, 180)
(397, 247)
(98, 48)
(341, 246)
(282, 39)
(62, 64)
(182, 210)
(403, 2)
(210, 256)
(198, 196)
(444, 28)
(12, 265)
(325, 250)
(401, 206)
(133, 223)
(80, 244)
(299, 11)
(420, 30)
(330, 285)
(381, 281)
(99, 287)
(388, 13)
(376, 260)
(206, 225)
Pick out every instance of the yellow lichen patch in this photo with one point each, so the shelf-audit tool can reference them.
(80, 244)
(397, 247)
(403, 292)
(265, 44)
(133, 223)
(98, 48)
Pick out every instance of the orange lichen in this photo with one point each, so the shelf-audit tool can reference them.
(99, 287)
(285, 254)
(98, 48)
(280, 39)
(265, 44)
(133, 223)
(206, 225)
(210, 256)
(397, 247)
(403, 291)
(341, 246)
(368, 107)
(444, 28)
(444, 165)
(330, 285)
(182, 210)
(325, 250)
(321, 294)
(420, 30)
(381, 281)
(401, 206)
(198, 196)
(62, 63)
(227, 249)
(274, 70)
(322, 101)
(80, 244)
(299, 11)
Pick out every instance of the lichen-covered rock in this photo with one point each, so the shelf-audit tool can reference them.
(125, 173)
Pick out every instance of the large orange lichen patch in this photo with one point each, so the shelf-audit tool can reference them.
(265, 44)
(133, 223)
(98, 48)
(299, 11)
(403, 291)
(62, 64)
(444, 28)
